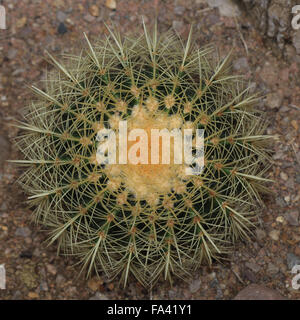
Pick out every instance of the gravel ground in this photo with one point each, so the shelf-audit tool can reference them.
(33, 270)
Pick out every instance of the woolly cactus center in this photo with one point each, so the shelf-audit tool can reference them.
(146, 179)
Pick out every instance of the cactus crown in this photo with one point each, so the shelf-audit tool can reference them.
(145, 220)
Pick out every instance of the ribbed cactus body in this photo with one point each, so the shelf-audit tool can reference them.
(143, 219)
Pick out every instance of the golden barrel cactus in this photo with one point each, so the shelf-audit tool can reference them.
(143, 219)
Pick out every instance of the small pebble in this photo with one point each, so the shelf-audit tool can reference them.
(51, 269)
(292, 218)
(177, 25)
(292, 260)
(11, 54)
(44, 286)
(240, 64)
(17, 295)
(272, 269)
(179, 10)
(60, 279)
(94, 11)
(98, 296)
(252, 266)
(71, 291)
(297, 251)
(280, 219)
(195, 285)
(23, 232)
(283, 176)
(274, 100)
(33, 295)
(260, 234)
(27, 254)
(62, 29)
(295, 125)
(61, 16)
(20, 23)
(89, 18)
(111, 4)
(258, 292)
(248, 274)
(274, 235)
(94, 283)
(172, 294)
(36, 252)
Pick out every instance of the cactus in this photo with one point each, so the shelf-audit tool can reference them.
(146, 220)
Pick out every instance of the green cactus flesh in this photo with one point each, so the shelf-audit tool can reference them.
(145, 220)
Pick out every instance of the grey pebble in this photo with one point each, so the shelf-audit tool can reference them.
(17, 295)
(23, 232)
(89, 18)
(272, 269)
(44, 286)
(60, 279)
(177, 25)
(292, 260)
(252, 266)
(98, 296)
(292, 218)
(195, 285)
(61, 16)
(11, 54)
(241, 64)
(179, 10)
